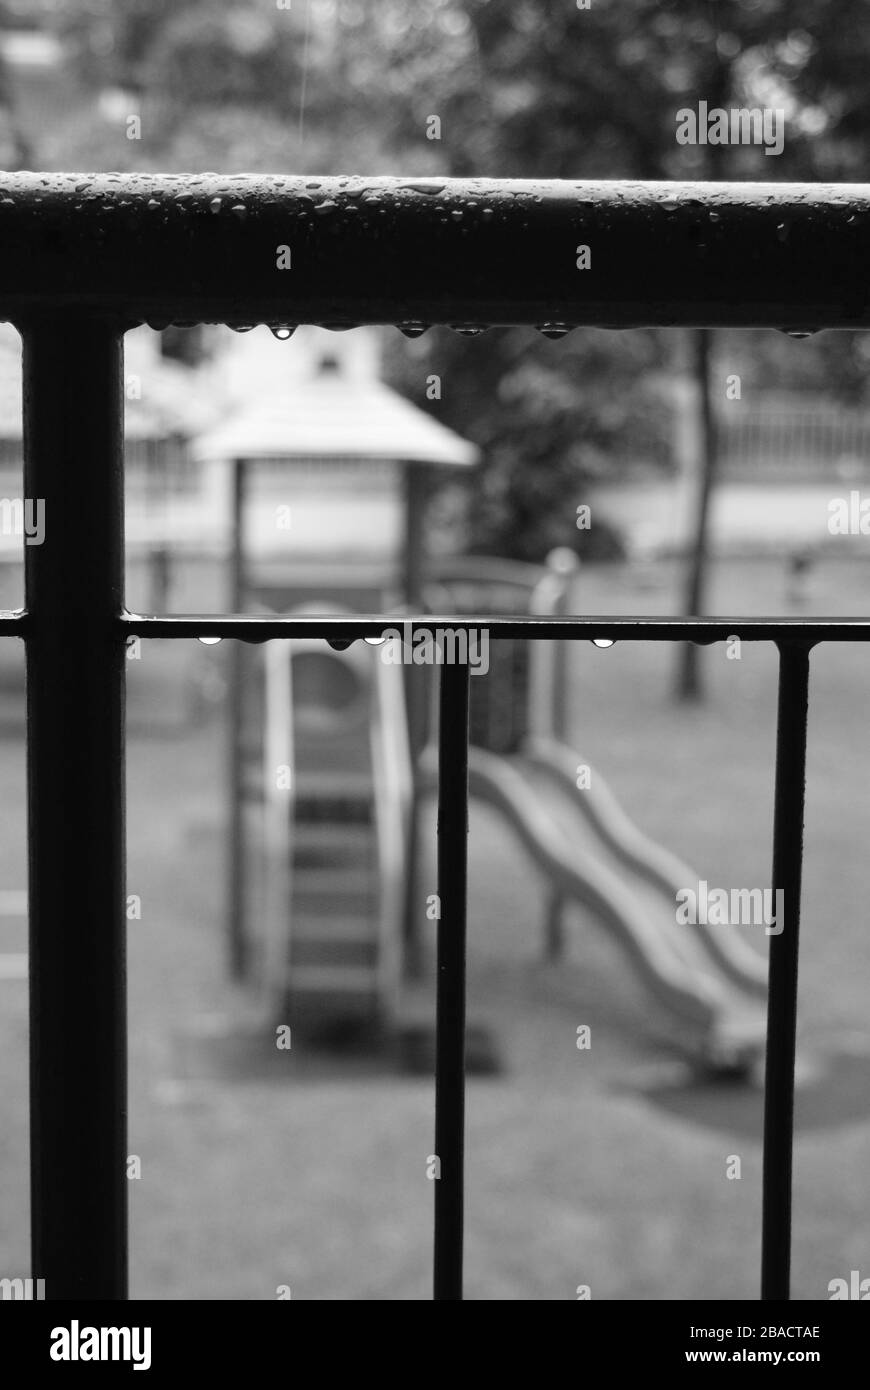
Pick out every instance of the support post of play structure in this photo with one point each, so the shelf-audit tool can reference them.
(415, 479)
(236, 939)
(689, 684)
(563, 564)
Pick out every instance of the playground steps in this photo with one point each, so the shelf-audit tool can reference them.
(333, 959)
(351, 979)
(329, 931)
(333, 842)
(327, 793)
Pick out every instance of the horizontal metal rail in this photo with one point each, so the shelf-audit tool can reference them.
(257, 628)
(245, 249)
(614, 629)
(345, 629)
(262, 628)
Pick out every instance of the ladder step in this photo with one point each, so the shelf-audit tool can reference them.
(334, 880)
(345, 979)
(312, 786)
(312, 916)
(329, 783)
(327, 845)
(312, 929)
(329, 954)
(329, 831)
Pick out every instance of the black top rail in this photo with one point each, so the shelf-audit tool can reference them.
(188, 248)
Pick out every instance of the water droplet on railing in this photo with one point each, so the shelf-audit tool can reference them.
(603, 642)
(209, 641)
(284, 332)
(424, 187)
(554, 330)
(242, 327)
(215, 204)
(799, 334)
(239, 210)
(374, 641)
(413, 329)
(468, 330)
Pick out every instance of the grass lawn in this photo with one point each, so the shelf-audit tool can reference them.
(596, 1168)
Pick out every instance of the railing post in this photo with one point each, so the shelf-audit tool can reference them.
(73, 465)
(450, 1025)
(788, 828)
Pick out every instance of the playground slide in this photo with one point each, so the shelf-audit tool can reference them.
(555, 764)
(591, 853)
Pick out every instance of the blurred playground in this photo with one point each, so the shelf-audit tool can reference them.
(604, 1167)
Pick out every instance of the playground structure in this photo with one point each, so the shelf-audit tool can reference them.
(337, 854)
(330, 753)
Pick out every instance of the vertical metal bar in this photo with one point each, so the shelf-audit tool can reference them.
(73, 463)
(236, 866)
(450, 1025)
(791, 750)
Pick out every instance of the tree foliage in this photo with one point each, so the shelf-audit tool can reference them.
(523, 88)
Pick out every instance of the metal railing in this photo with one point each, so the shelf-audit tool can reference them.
(76, 272)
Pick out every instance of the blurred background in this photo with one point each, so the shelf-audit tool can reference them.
(281, 825)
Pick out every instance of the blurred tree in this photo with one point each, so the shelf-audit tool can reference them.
(558, 92)
(523, 88)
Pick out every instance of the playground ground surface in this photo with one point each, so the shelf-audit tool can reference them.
(603, 1167)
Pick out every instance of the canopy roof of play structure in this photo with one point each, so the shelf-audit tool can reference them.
(327, 403)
